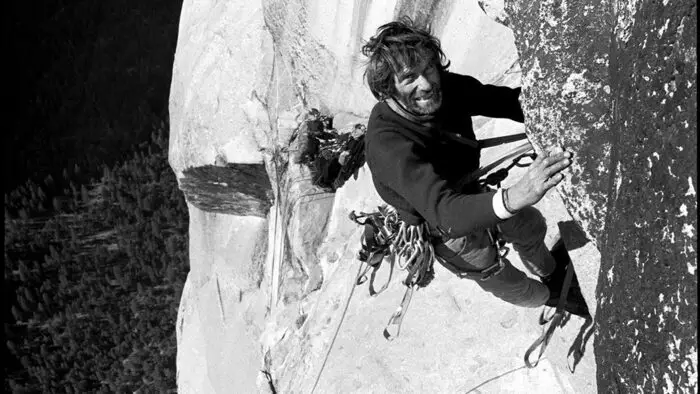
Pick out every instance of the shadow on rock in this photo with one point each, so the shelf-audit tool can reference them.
(574, 238)
(577, 349)
(572, 234)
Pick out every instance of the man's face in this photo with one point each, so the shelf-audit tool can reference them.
(419, 90)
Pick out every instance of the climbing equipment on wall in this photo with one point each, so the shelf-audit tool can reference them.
(554, 321)
(409, 246)
(332, 157)
(564, 285)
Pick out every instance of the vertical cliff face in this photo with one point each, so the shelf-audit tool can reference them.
(272, 263)
(615, 82)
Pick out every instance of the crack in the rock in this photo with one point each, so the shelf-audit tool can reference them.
(270, 381)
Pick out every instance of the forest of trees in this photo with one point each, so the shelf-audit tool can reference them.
(96, 246)
(94, 270)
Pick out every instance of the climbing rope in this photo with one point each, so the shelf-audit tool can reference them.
(337, 330)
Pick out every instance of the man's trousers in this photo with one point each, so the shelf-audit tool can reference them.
(525, 231)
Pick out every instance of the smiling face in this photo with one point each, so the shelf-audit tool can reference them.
(418, 90)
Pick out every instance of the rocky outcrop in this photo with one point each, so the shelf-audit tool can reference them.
(615, 82)
(267, 293)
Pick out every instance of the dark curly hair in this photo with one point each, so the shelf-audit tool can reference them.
(398, 46)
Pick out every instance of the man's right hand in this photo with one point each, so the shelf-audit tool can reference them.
(543, 174)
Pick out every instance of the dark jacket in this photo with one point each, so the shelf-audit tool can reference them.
(415, 166)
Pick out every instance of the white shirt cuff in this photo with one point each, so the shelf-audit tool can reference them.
(498, 208)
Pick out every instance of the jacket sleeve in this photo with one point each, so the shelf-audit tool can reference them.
(491, 100)
(395, 163)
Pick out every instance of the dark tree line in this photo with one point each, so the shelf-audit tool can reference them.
(93, 276)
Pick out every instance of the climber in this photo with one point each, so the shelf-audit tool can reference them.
(420, 145)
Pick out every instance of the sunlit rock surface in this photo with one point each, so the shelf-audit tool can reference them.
(267, 293)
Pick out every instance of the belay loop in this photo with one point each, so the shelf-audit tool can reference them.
(501, 252)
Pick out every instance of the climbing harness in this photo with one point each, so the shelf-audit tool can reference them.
(554, 321)
(501, 251)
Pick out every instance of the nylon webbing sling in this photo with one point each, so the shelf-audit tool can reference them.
(554, 321)
(442, 250)
(472, 177)
(490, 142)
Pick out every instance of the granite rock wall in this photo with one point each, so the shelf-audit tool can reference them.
(615, 82)
(612, 82)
